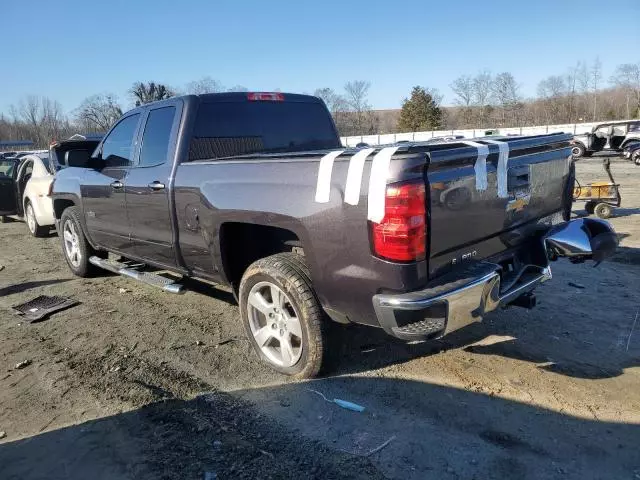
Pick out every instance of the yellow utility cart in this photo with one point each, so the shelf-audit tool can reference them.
(600, 197)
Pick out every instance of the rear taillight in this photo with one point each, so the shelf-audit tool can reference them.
(401, 235)
(265, 96)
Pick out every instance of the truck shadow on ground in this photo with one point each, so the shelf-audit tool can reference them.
(435, 432)
(23, 287)
(565, 347)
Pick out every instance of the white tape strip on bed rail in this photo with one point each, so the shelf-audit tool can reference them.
(323, 187)
(354, 176)
(503, 165)
(480, 166)
(378, 183)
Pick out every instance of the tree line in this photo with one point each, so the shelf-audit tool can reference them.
(484, 100)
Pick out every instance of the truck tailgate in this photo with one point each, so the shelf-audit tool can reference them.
(467, 223)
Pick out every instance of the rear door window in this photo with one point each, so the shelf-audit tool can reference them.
(156, 137)
(227, 129)
(117, 149)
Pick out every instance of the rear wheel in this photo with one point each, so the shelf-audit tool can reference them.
(603, 210)
(577, 150)
(282, 316)
(32, 223)
(590, 207)
(635, 158)
(75, 246)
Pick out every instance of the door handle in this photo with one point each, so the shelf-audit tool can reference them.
(117, 185)
(156, 185)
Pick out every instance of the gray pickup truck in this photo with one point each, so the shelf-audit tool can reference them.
(256, 191)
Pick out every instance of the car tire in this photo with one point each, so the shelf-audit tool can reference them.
(75, 247)
(635, 158)
(577, 151)
(603, 210)
(590, 207)
(283, 319)
(32, 223)
(4, 219)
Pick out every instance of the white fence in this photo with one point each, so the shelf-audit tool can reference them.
(573, 128)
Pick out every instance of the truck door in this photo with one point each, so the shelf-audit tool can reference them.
(103, 187)
(147, 186)
(8, 190)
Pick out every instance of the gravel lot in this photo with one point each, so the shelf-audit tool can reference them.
(136, 383)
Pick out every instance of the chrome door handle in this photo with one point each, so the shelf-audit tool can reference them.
(117, 185)
(156, 185)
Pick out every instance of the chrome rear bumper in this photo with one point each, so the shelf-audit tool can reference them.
(469, 295)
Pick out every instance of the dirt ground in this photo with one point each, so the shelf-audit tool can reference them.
(141, 384)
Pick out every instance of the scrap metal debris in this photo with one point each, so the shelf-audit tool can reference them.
(342, 403)
(23, 364)
(380, 447)
(3, 435)
(41, 307)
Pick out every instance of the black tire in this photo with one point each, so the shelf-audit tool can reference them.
(34, 229)
(289, 273)
(590, 207)
(603, 210)
(587, 154)
(4, 219)
(82, 268)
(635, 158)
(577, 151)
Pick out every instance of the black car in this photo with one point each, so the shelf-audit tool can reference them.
(632, 152)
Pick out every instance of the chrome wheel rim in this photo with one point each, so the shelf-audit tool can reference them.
(31, 218)
(71, 243)
(275, 324)
(575, 151)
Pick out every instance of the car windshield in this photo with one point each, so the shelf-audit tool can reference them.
(226, 129)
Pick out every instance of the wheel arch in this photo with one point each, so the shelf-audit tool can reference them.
(242, 243)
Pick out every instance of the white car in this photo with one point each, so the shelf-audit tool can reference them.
(24, 191)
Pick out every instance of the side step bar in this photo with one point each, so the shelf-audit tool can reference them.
(152, 279)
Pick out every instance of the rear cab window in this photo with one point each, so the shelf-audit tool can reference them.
(243, 127)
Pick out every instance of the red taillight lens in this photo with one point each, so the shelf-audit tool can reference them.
(402, 234)
(268, 97)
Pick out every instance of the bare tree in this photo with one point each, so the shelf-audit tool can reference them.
(463, 88)
(98, 112)
(150, 92)
(362, 120)
(238, 88)
(482, 91)
(627, 77)
(204, 85)
(506, 92)
(553, 93)
(40, 119)
(596, 73)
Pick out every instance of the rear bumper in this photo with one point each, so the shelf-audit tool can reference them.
(471, 293)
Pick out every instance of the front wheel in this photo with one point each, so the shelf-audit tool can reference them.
(75, 246)
(282, 316)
